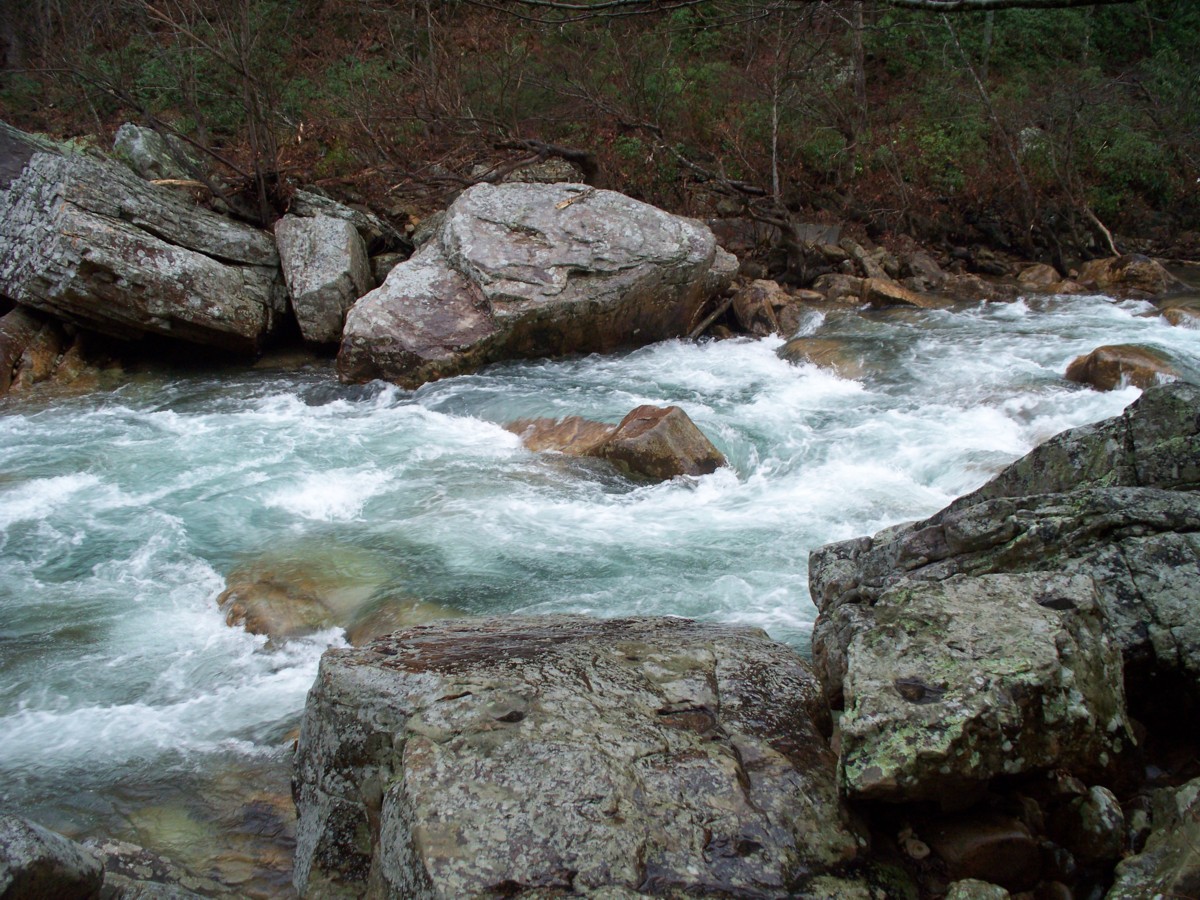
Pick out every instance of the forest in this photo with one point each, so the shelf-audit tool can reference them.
(1062, 132)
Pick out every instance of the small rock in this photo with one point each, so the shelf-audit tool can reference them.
(1131, 272)
(881, 292)
(1181, 310)
(923, 270)
(382, 264)
(1107, 368)
(974, 889)
(840, 356)
(1038, 276)
(36, 863)
(572, 435)
(988, 847)
(661, 443)
(652, 442)
(840, 288)
(1092, 827)
(759, 308)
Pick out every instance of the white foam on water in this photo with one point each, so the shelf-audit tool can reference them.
(39, 498)
(338, 495)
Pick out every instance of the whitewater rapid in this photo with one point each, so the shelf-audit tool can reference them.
(122, 513)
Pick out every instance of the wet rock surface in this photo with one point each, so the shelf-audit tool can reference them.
(528, 270)
(551, 755)
(1111, 367)
(652, 442)
(91, 243)
(1131, 273)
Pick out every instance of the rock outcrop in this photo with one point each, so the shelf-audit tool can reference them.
(652, 442)
(1086, 548)
(37, 863)
(91, 243)
(530, 270)
(1169, 866)
(561, 755)
(326, 268)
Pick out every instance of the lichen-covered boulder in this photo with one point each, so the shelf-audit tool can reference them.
(537, 756)
(652, 442)
(948, 684)
(37, 863)
(1101, 523)
(89, 242)
(325, 265)
(529, 270)
(1169, 866)
(1117, 365)
(148, 154)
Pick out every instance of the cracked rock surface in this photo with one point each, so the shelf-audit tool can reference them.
(530, 270)
(326, 267)
(531, 756)
(91, 243)
(1088, 545)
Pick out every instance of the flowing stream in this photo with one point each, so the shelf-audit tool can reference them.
(129, 708)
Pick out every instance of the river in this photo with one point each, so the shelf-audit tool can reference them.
(129, 708)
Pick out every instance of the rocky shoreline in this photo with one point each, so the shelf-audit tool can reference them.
(999, 699)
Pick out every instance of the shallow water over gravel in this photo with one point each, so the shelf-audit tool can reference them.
(128, 707)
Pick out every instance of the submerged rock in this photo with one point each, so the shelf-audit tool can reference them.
(326, 267)
(37, 863)
(1108, 368)
(653, 442)
(847, 358)
(1089, 542)
(528, 270)
(134, 873)
(91, 243)
(562, 754)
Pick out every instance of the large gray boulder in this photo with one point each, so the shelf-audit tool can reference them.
(538, 756)
(1169, 865)
(325, 264)
(90, 242)
(1098, 528)
(36, 863)
(530, 270)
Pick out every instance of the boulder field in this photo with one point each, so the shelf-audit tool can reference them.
(983, 716)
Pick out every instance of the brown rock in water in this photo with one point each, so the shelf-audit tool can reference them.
(573, 435)
(1131, 272)
(1110, 367)
(759, 308)
(379, 619)
(661, 443)
(1182, 310)
(651, 441)
(885, 292)
(297, 590)
(840, 288)
(992, 848)
(839, 356)
(564, 755)
(1039, 277)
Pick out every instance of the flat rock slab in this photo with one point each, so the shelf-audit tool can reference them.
(530, 270)
(90, 242)
(528, 756)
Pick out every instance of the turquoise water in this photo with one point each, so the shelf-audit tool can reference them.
(129, 707)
